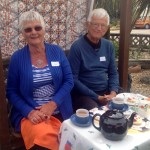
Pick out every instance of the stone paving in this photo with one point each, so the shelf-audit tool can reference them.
(137, 85)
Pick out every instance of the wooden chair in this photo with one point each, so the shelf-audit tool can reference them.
(9, 140)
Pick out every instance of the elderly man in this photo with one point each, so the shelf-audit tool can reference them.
(92, 60)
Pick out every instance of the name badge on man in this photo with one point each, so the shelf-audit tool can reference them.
(103, 58)
(55, 63)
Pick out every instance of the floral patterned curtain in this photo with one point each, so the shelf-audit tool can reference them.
(65, 21)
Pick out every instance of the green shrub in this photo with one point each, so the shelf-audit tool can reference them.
(116, 46)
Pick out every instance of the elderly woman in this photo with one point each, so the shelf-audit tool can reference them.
(38, 87)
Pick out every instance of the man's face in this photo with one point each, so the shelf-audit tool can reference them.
(97, 27)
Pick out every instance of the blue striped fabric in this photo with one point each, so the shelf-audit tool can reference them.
(43, 87)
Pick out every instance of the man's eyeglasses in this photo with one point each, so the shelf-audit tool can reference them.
(96, 25)
(36, 28)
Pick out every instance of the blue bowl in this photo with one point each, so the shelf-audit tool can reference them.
(125, 107)
(82, 120)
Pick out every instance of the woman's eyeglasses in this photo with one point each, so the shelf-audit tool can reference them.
(36, 28)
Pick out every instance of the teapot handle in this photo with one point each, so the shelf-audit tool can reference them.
(93, 121)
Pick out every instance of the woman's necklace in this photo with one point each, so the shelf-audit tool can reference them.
(39, 62)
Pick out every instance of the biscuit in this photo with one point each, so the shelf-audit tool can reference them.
(137, 120)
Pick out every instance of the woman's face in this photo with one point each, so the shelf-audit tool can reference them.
(97, 27)
(33, 33)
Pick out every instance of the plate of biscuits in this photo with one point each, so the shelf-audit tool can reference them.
(132, 98)
(140, 124)
(137, 120)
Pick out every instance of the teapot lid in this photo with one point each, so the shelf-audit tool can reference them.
(116, 114)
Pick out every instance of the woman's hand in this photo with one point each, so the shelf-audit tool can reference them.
(47, 108)
(36, 116)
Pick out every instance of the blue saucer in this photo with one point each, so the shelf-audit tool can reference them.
(125, 108)
(73, 120)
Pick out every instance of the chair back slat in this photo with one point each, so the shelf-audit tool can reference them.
(4, 126)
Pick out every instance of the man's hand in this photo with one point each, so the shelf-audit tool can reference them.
(104, 99)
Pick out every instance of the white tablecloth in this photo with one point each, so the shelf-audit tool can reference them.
(88, 138)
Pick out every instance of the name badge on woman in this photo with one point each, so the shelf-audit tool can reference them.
(55, 63)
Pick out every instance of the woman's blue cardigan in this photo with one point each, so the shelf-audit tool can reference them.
(20, 83)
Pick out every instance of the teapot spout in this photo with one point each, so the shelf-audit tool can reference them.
(131, 119)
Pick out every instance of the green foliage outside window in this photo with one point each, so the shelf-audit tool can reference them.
(116, 46)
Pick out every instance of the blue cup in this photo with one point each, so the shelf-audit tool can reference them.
(117, 103)
(82, 116)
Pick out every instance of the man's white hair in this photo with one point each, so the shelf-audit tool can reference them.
(99, 12)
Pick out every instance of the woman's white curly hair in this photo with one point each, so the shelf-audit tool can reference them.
(30, 16)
